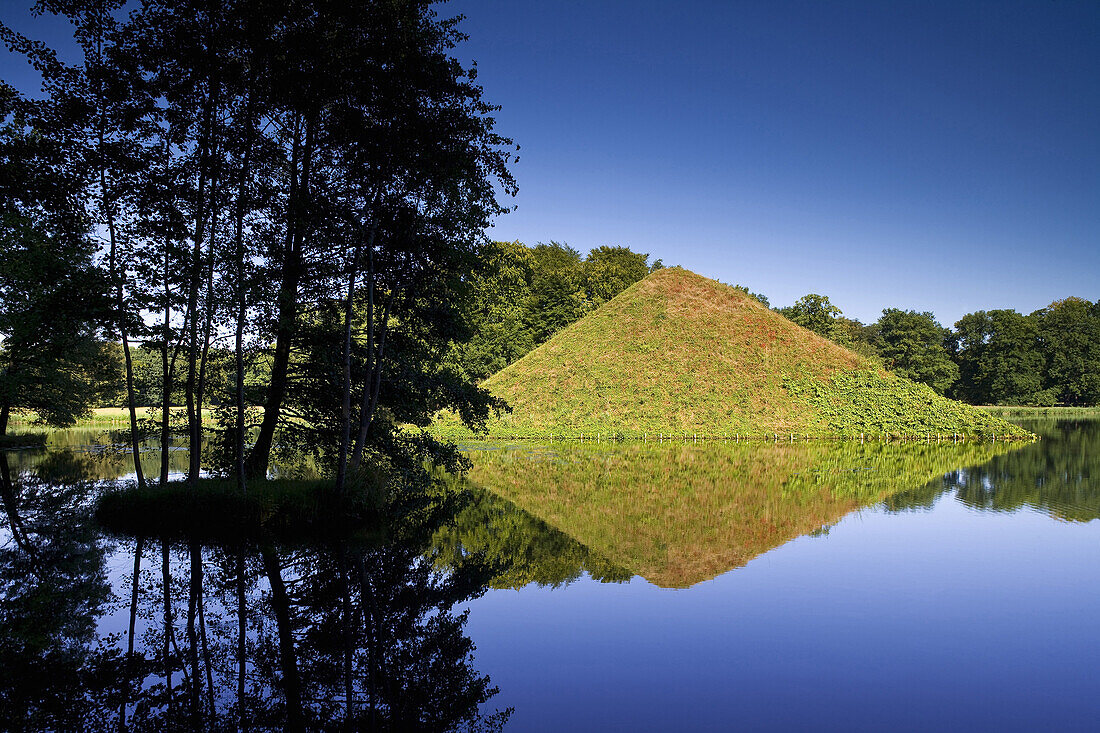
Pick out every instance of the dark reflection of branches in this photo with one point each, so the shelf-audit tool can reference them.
(354, 633)
(519, 547)
(1058, 475)
(52, 588)
(349, 634)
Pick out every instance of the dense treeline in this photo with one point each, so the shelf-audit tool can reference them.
(297, 186)
(996, 357)
(519, 296)
(522, 296)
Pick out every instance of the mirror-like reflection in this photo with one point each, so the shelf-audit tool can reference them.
(368, 631)
(143, 634)
(683, 513)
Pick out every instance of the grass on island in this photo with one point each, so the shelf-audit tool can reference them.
(1070, 413)
(107, 417)
(215, 511)
(681, 513)
(11, 441)
(677, 353)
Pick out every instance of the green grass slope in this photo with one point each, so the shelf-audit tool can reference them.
(677, 353)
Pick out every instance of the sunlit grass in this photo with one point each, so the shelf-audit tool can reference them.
(23, 440)
(679, 354)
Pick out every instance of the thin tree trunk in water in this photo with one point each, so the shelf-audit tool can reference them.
(242, 719)
(366, 598)
(288, 661)
(288, 305)
(194, 427)
(347, 610)
(5, 412)
(200, 391)
(128, 693)
(135, 443)
(120, 303)
(238, 336)
(166, 579)
(195, 587)
(113, 264)
(206, 653)
(7, 494)
(135, 446)
(165, 396)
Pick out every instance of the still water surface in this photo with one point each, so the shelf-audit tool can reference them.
(623, 587)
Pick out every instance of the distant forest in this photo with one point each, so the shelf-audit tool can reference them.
(521, 296)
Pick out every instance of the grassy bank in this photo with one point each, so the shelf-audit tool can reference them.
(677, 353)
(1054, 412)
(23, 440)
(107, 417)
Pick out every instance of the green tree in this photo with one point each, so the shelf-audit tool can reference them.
(610, 270)
(268, 169)
(51, 293)
(999, 360)
(913, 345)
(816, 313)
(558, 296)
(1069, 337)
(497, 311)
(758, 297)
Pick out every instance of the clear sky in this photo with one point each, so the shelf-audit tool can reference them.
(941, 156)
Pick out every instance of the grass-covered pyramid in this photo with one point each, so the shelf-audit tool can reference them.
(677, 353)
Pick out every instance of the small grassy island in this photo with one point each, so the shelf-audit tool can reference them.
(679, 354)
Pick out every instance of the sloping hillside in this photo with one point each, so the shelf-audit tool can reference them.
(677, 353)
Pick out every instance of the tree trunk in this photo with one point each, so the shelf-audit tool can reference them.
(345, 407)
(372, 388)
(288, 661)
(260, 457)
(131, 630)
(238, 334)
(135, 441)
(195, 588)
(194, 426)
(200, 390)
(165, 389)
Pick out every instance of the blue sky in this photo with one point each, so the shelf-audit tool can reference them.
(936, 156)
(927, 155)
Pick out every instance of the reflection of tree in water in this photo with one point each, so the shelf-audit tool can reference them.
(348, 634)
(52, 589)
(92, 454)
(1059, 475)
(678, 513)
(519, 547)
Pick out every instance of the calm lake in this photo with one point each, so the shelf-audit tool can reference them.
(672, 586)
